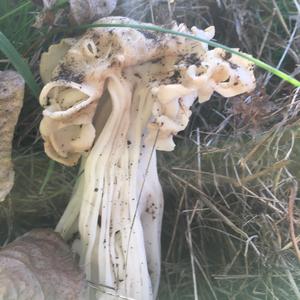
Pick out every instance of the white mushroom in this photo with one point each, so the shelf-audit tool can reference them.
(123, 94)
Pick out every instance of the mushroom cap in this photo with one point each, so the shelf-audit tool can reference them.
(50, 59)
(174, 69)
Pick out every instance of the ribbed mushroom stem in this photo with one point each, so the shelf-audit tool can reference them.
(121, 210)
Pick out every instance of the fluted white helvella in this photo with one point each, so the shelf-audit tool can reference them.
(112, 98)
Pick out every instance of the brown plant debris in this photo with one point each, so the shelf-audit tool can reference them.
(11, 101)
(90, 10)
(292, 197)
(39, 265)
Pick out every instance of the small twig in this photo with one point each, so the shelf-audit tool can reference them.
(192, 256)
(297, 4)
(247, 245)
(264, 200)
(210, 174)
(292, 197)
(281, 18)
(276, 166)
(288, 46)
(266, 35)
(170, 3)
(291, 279)
(98, 288)
(290, 244)
(151, 11)
(99, 285)
(175, 226)
(47, 177)
(206, 277)
(249, 156)
(199, 157)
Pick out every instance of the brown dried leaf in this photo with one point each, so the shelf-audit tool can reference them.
(251, 110)
(45, 17)
(39, 265)
(11, 101)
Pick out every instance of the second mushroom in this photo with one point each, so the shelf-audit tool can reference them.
(113, 97)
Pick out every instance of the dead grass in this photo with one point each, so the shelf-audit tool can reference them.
(232, 217)
(231, 185)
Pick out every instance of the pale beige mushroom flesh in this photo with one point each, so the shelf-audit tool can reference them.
(114, 98)
(11, 102)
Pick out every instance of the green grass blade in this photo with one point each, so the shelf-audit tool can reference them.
(48, 175)
(14, 11)
(256, 61)
(19, 63)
